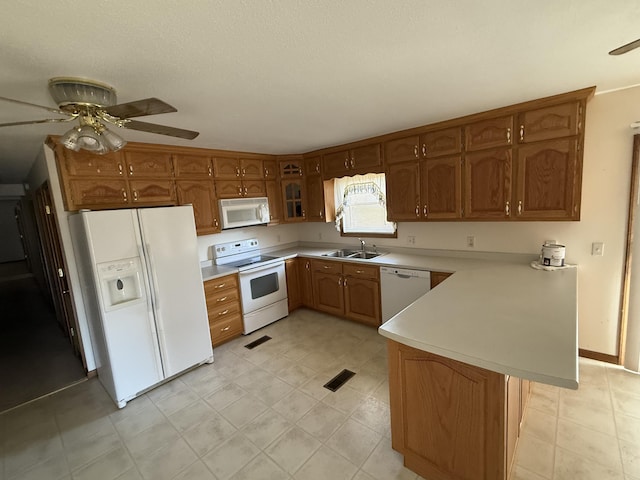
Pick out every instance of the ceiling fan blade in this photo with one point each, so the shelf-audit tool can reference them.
(29, 122)
(625, 48)
(140, 108)
(20, 102)
(161, 129)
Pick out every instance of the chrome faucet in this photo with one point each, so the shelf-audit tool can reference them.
(361, 244)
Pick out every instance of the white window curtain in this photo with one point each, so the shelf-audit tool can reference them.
(361, 204)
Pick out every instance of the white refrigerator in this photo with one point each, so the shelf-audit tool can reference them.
(143, 295)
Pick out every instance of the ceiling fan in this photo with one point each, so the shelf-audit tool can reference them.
(625, 48)
(95, 106)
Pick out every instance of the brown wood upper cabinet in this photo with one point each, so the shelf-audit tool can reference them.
(86, 164)
(491, 133)
(148, 163)
(225, 168)
(557, 121)
(436, 143)
(192, 166)
(487, 183)
(270, 168)
(355, 161)
(313, 165)
(201, 195)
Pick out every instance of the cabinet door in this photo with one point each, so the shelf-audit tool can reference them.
(403, 191)
(366, 159)
(253, 188)
(293, 200)
(152, 192)
(328, 293)
(438, 277)
(336, 165)
(441, 188)
(401, 150)
(270, 168)
(291, 167)
(306, 281)
(491, 133)
(294, 292)
(313, 165)
(275, 202)
(87, 164)
(441, 142)
(147, 163)
(201, 195)
(102, 193)
(192, 166)
(229, 188)
(487, 177)
(226, 168)
(547, 179)
(315, 199)
(362, 300)
(513, 418)
(551, 122)
(251, 169)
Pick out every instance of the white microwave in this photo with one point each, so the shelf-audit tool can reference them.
(244, 212)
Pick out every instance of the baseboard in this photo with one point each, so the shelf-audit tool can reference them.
(92, 373)
(602, 357)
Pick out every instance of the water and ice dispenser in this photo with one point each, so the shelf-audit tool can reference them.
(120, 282)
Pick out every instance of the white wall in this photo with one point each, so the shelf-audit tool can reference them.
(605, 190)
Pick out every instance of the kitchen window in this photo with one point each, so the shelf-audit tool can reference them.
(361, 206)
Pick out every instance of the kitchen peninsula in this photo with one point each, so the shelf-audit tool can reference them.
(456, 360)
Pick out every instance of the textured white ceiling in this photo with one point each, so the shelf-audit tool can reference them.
(287, 76)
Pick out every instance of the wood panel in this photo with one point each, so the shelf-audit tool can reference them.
(362, 300)
(293, 200)
(254, 188)
(85, 164)
(551, 122)
(441, 142)
(438, 277)
(336, 164)
(228, 188)
(148, 163)
(487, 184)
(366, 159)
(192, 166)
(441, 188)
(294, 291)
(328, 293)
(201, 195)
(306, 281)
(153, 192)
(401, 149)
(403, 192)
(251, 169)
(270, 168)
(315, 199)
(225, 168)
(272, 189)
(223, 307)
(101, 193)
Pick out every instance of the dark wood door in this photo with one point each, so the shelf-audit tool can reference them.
(55, 267)
(487, 184)
(490, 133)
(402, 150)
(293, 200)
(251, 169)
(551, 122)
(315, 199)
(148, 192)
(192, 166)
(441, 142)
(336, 164)
(547, 180)
(148, 163)
(366, 159)
(403, 192)
(100, 193)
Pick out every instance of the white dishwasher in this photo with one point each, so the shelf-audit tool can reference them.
(400, 288)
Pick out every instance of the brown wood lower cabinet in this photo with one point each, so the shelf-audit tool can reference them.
(306, 281)
(223, 305)
(438, 277)
(294, 290)
(347, 290)
(451, 420)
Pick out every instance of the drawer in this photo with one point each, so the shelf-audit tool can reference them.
(222, 297)
(224, 330)
(361, 271)
(326, 266)
(212, 287)
(224, 311)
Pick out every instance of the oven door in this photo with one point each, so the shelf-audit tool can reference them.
(262, 286)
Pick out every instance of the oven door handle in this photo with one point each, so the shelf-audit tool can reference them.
(251, 271)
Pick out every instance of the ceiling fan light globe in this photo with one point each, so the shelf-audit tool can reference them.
(113, 141)
(89, 139)
(70, 139)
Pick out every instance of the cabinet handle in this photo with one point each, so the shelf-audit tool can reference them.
(353, 163)
(519, 207)
(306, 265)
(417, 210)
(245, 191)
(239, 190)
(424, 150)
(340, 281)
(345, 282)
(244, 172)
(130, 169)
(325, 267)
(210, 171)
(120, 169)
(509, 135)
(317, 168)
(225, 328)
(124, 196)
(224, 312)
(507, 209)
(135, 195)
(215, 222)
(522, 133)
(221, 285)
(304, 214)
(321, 214)
(237, 171)
(301, 172)
(424, 210)
(221, 299)
(346, 163)
(359, 271)
(415, 151)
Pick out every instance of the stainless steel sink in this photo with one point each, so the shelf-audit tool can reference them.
(350, 253)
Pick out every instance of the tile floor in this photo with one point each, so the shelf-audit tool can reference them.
(263, 414)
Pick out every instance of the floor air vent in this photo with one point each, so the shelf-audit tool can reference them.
(336, 382)
(257, 342)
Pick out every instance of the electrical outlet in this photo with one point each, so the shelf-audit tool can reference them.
(597, 249)
(411, 240)
(471, 241)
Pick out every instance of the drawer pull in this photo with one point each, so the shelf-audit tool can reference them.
(225, 328)
(224, 312)
(221, 299)
(359, 271)
(221, 285)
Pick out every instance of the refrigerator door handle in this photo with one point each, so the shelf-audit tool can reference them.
(156, 304)
(150, 302)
